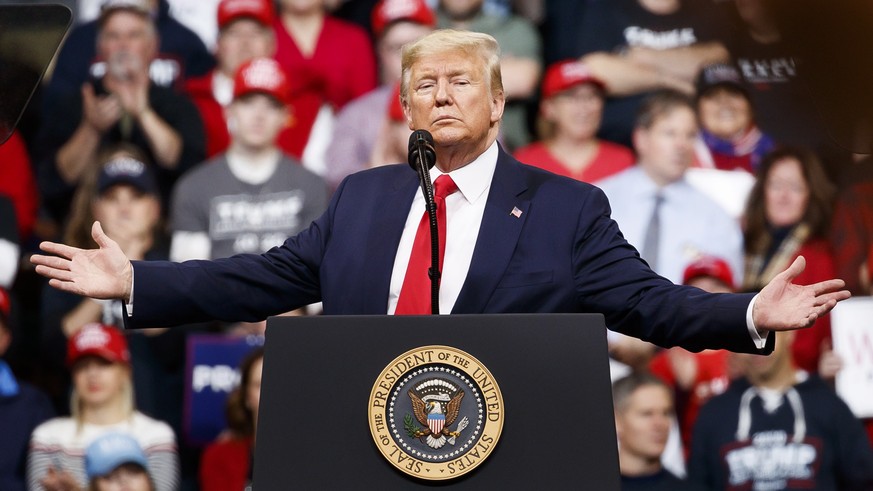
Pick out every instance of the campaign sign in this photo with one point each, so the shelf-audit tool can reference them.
(211, 374)
(852, 331)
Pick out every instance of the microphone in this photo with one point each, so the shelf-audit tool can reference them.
(422, 155)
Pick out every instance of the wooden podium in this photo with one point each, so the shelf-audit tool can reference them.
(558, 428)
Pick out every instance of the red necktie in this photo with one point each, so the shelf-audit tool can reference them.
(415, 293)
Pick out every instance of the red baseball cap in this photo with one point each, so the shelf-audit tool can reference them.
(389, 11)
(713, 267)
(395, 109)
(562, 75)
(107, 342)
(231, 10)
(262, 75)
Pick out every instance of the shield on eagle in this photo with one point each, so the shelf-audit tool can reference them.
(436, 422)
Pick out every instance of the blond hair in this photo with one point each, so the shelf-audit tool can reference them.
(472, 44)
(126, 399)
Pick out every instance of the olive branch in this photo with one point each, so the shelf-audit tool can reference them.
(412, 429)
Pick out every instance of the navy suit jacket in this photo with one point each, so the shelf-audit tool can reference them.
(563, 254)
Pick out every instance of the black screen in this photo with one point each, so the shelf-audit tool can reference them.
(29, 37)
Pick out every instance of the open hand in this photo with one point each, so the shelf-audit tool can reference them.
(100, 112)
(104, 273)
(783, 306)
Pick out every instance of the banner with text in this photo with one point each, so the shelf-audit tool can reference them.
(212, 373)
(852, 331)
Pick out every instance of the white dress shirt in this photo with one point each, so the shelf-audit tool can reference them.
(464, 211)
(692, 225)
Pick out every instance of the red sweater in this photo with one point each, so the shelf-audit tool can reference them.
(341, 68)
(610, 159)
(819, 267)
(224, 465)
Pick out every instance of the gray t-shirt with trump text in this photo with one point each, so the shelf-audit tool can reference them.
(246, 218)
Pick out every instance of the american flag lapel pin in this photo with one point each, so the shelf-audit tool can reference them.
(515, 212)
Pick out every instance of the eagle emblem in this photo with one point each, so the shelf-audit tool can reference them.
(436, 403)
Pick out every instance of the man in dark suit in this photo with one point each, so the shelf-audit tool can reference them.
(518, 240)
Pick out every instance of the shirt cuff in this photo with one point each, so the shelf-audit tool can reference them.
(129, 305)
(759, 338)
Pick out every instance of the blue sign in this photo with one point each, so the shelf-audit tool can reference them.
(212, 372)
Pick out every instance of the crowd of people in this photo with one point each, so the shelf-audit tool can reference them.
(689, 114)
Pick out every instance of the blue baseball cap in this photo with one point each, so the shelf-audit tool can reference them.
(111, 450)
(720, 75)
(127, 170)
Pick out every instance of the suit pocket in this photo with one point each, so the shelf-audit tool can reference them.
(516, 280)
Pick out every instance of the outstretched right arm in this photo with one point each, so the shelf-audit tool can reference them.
(104, 273)
(248, 287)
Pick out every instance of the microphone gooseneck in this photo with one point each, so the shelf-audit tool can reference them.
(422, 156)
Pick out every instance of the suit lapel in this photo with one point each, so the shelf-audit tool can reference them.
(498, 235)
(382, 241)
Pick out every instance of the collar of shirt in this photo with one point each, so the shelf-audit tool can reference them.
(254, 170)
(472, 179)
(643, 187)
(464, 212)
(632, 197)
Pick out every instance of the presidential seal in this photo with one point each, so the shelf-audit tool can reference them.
(435, 412)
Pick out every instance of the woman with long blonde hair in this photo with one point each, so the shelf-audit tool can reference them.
(102, 401)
